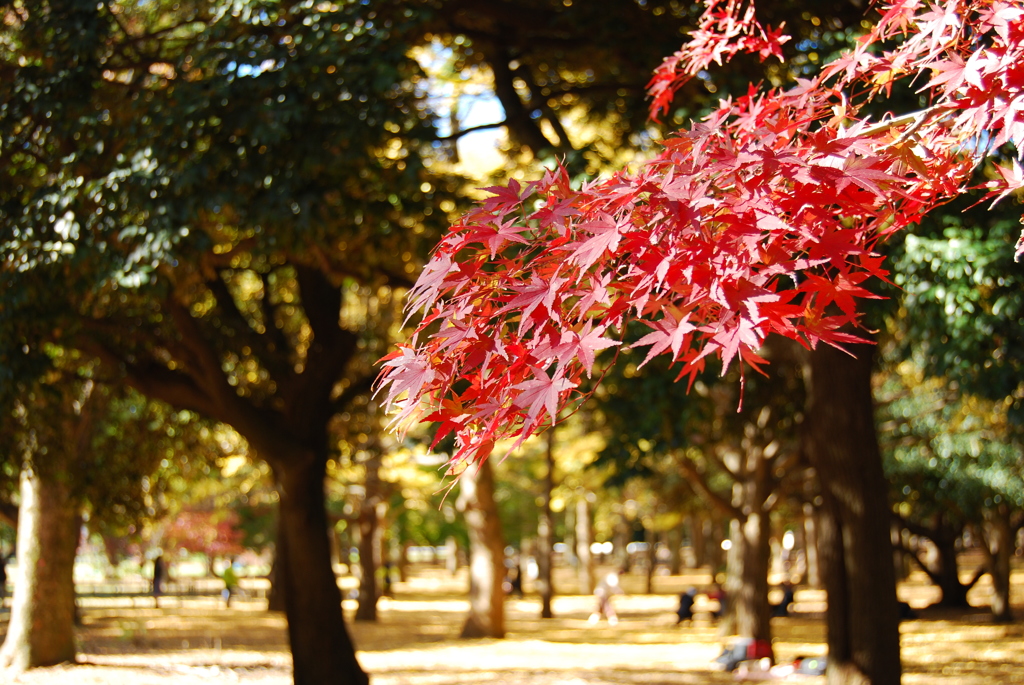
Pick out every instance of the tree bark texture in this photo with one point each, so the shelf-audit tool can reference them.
(584, 537)
(954, 592)
(854, 543)
(999, 540)
(41, 629)
(813, 578)
(750, 601)
(486, 553)
(545, 533)
(371, 541)
(322, 651)
(278, 569)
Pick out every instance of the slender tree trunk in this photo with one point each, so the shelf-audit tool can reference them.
(585, 568)
(41, 629)
(649, 559)
(545, 535)
(811, 546)
(322, 651)
(698, 540)
(369, 560)
(1000, 549)
(371, 539)
(674, 541)
(750, 601)
(856, 551)
(486, 553)
(621, 538)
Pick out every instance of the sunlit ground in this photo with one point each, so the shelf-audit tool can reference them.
(416, 640)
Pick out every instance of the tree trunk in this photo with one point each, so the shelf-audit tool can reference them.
(811, 546)
(621, 537)
(371, 540)
(322, 652)
(674, 540)
(585, 568)
(698, 540)
(750, 602)
(1000, 548)
(854, 545)
(278, 570)
(486, 553)
(545, 534)
(41, 629)
(650, 560)
(954, 592)
(369, 559)
(713, 538)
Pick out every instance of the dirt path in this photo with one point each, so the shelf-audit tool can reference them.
(415, 643)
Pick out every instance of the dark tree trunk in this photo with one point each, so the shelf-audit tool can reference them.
(486, 553)
(1000, 546)
(545, 535)
(854, 545)
(41, 629)
(275, 595)
(322, 651)
(954, 592)
(584, 537)
(945, 573)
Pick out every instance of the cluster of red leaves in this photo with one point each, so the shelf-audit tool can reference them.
(723, 32)
(760, 219)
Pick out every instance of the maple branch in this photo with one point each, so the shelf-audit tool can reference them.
(472, 129)
(917, 119)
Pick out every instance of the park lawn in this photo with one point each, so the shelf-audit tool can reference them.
(415, 641)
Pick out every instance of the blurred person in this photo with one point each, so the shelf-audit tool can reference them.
(230, 578)
(685, 610)
(603, 593)
(782, 608)
(159, 575)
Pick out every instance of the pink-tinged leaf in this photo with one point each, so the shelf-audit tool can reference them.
(428, 285)
(589, 341)
(730, 336)
(541, 393)
(669, 333)
(1012, 179)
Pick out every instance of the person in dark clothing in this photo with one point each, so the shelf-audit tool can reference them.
(685, 610)
(159, 575)
(782, 608)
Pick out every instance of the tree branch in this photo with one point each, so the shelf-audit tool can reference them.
(696, 479)
(472, 129)
(920, 562)
(271, 350)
